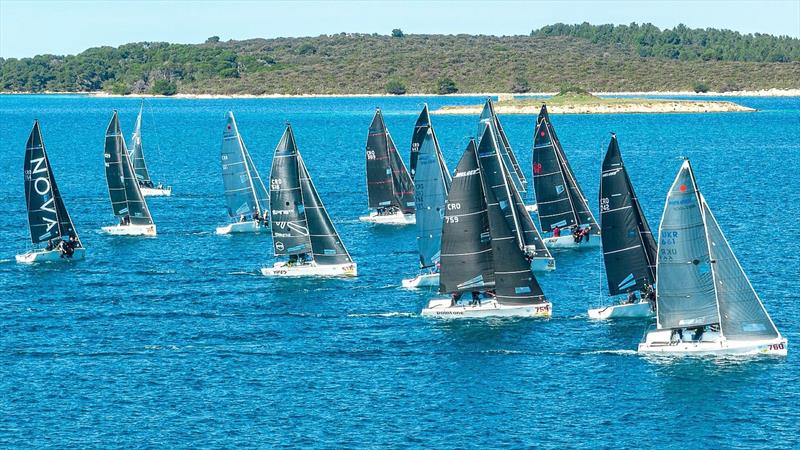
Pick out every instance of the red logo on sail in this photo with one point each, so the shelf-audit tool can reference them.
(683, 188)
(541, 133)
(537, 168)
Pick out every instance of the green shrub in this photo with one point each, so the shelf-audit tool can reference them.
(395, 87)
(446, 86)
(120, 88)
(397, 32)
(307, 48)
(700, 87)
(520, 86)
(164, 87)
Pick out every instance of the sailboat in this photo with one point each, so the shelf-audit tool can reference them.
(136, 155)
(246, 197)
(301, 227)
(562, 207)
(127, 200)
(480, 252)
(48, 218)
(489, 117)
(705, 303)
(431, 184)
(389, 185)
(629, 250)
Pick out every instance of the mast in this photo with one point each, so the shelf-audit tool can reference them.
(466, 258)
(290, 228)
(629, 250)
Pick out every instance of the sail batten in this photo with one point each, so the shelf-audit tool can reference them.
(629, 250)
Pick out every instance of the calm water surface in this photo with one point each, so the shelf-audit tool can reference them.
(177, 341)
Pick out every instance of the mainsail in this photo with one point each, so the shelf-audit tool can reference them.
(431, 185)
(558, 196)
(137, 154)
(47, 216)
(466, 258)
(123, 188)
(489, 117)
(245, 193)
(515, 284)
(499, 180)
(290, 231)
(629, 250)
(388, 181)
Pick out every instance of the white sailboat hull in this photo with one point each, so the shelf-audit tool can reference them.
(156, 191)
(543, 264)
(661, 342)
(390, 219)
(50, 256)
(441, 308)
(243, 227)
(130, 230)
(565, 242)
(422, 280)
(282, 269)
(627, 311)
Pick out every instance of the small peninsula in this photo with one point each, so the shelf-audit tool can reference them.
(578, 101)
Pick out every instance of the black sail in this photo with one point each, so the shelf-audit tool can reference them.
(489, 117)
(290, 233)
(515, 283)
(326, 245)
(499, 180)
(466, 258)
(123, 187)
(418, 138)
(629, 249)
(388, 181)
(47, 216)
(578, 204)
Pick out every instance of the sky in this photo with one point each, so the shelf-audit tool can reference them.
(28, 28)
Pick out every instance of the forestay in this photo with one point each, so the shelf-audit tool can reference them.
(137, 152)
(245, 192)
(47, 216)
(290, 233)
(431, 185)
(388, 181)
(629, 249)
(466, 260)
(559, 198)
(123, 188)
(489, 117)
(685, 292)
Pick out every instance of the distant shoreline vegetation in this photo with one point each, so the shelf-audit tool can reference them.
(599, 58)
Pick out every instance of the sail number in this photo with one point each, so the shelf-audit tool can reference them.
(453, 206)
(370, 154)
(604, 204)
(450, 219)
(275, 183)
(779, 346)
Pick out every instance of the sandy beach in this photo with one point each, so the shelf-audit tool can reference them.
(646, 107)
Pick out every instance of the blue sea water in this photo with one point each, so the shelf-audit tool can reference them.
(176, 341)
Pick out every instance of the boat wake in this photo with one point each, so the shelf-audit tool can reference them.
(386, 314)
(612, 352)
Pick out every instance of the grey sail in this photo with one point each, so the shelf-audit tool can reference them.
(47, 215)
(742, 315)
(466, 259)
(685, 295)
(432, 184)
(557, 192)
(515, 284)
(137, 153)
(245, 193)
(499, 180)
(123, 188)
(489, 117)
(388, 181)
(629, 249)
(290, 231)
(327, 247)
